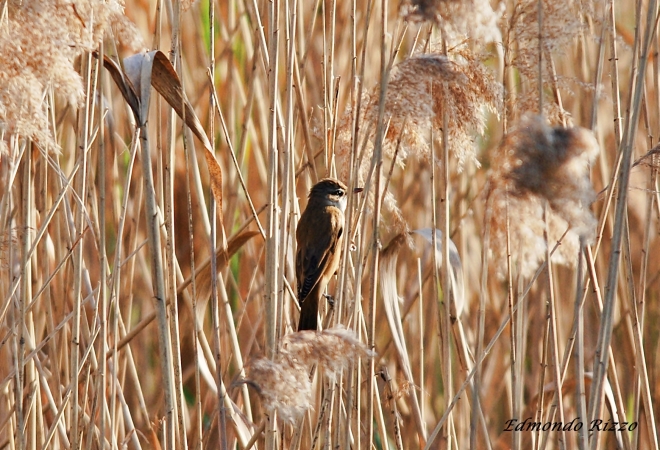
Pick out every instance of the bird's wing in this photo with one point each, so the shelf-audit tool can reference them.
(313, 258)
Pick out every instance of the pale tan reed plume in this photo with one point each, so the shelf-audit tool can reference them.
(419, 89)
(39, 44)
(414, 103)
(536, 165)
(284, 384)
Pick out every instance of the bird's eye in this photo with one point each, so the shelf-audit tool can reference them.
(339, 192)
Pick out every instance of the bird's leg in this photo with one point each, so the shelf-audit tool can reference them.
(330, 299)
(331, 310)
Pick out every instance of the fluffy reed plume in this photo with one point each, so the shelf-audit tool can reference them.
(562, 21)
(419, 90)
(39, 43)
(536, 165)
(284, 384)
(475, 18)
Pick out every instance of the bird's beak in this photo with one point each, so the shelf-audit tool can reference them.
(357, 190)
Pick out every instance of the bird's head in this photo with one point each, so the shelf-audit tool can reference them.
(329, 191)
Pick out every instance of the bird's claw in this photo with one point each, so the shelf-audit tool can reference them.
(330, 299)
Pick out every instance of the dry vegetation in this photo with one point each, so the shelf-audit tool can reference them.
(147, 236)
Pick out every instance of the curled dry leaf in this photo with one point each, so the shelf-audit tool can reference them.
(203, 272)
(457, 289)
(388, 283)
(154, 69)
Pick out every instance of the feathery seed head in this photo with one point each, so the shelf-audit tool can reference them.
(38, 46)
(284, 384)
(537, 164)
(419, 92)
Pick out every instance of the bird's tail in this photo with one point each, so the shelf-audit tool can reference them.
(309, 313)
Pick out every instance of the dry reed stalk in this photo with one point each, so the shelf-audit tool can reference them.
(449, 289)
(580, 394)
(558, 401)
(83, 139)
(640, 308)
(272, 244)
(605, 330)
(376, 163)
(213, 235)
(167, 166)
(104, 276)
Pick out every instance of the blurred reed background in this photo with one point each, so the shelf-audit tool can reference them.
(525, 131)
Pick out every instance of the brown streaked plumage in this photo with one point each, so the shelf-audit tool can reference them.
(319, 238)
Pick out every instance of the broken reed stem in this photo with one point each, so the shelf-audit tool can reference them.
(391, 400)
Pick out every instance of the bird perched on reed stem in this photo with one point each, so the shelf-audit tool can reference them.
(319, 238)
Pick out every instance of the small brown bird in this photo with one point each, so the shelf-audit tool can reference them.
(319, 238)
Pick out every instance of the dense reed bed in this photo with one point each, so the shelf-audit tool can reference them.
(155, 158)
